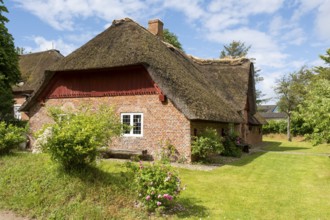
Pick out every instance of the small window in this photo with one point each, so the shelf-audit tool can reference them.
(17, 113)
(135, 123)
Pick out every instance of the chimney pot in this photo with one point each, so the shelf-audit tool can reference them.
(156, 27)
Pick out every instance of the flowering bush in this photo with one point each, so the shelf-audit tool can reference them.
(157, 185)
(230, 143)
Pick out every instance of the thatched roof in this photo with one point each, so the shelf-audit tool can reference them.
(190, 84)
(257, 119)
(33, 66)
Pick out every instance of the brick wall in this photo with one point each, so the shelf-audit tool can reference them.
(161, 121)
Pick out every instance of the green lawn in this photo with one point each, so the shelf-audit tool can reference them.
(265, 185)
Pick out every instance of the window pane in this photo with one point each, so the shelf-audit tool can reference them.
(137, 124)
(126, 121)
(17, 114)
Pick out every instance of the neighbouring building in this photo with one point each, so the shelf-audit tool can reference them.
(271, 112)
(163, 93)
(32, 67)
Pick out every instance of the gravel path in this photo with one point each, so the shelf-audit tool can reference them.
(9, 215)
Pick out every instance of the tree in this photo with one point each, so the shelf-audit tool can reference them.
(20, 50)
(171, 38)
(291, 90)
(9, 71)
(324, 72)
(235, 49)
(315, 108)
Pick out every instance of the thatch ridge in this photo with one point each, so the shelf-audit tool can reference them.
(181, 79)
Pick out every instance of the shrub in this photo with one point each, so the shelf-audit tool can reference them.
(209, 142)
(231, 148)
(157, 185)
(75, 136)
(10, 137)
(168, 153)
(230, 145)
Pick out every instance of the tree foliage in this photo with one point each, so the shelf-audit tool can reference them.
(235, 49)
(9, 71)
(171, 38)
(291, 90)
(314, 110)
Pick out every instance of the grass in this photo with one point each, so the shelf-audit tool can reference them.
(265, 185)
(278, 142)
(34, 186)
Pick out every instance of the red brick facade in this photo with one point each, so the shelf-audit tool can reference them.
(161, 121)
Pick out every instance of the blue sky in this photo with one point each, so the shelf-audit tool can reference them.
(284, 34)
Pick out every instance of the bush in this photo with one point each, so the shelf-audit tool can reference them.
(168, 153)
(231, 142)
(157, 185)
(10, 137)
(209, 142)
(231, 148)
(74, 138)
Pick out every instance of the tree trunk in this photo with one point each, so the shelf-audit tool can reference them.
(289, 128)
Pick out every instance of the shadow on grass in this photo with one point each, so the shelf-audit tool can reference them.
(276, 146)
(247, 159)
(93, 175)
(187, 207)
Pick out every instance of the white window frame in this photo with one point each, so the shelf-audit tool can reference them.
(17, 114)
(131, 124)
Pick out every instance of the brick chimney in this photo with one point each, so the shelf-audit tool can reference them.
(156, 27)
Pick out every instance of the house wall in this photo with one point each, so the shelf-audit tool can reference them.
(161, 121)
(254, 135)
(197, 127)
(20, 100)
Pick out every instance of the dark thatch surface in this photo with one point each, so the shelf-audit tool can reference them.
(197, 89)
(257, 119)
(33, 66)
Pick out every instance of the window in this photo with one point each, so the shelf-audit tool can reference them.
(135, 123)
(17, 113)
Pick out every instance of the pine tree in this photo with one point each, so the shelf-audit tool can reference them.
(171, 38)
(235, 49)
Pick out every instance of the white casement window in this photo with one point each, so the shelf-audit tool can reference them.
(17, 114)
(135, 123)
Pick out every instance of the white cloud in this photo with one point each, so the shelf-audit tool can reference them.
(322, 21)
(268, 84)
(61, 14)
(191, 8)
(245, 7)
(265, 49)
(43, 44)
(320, 10)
